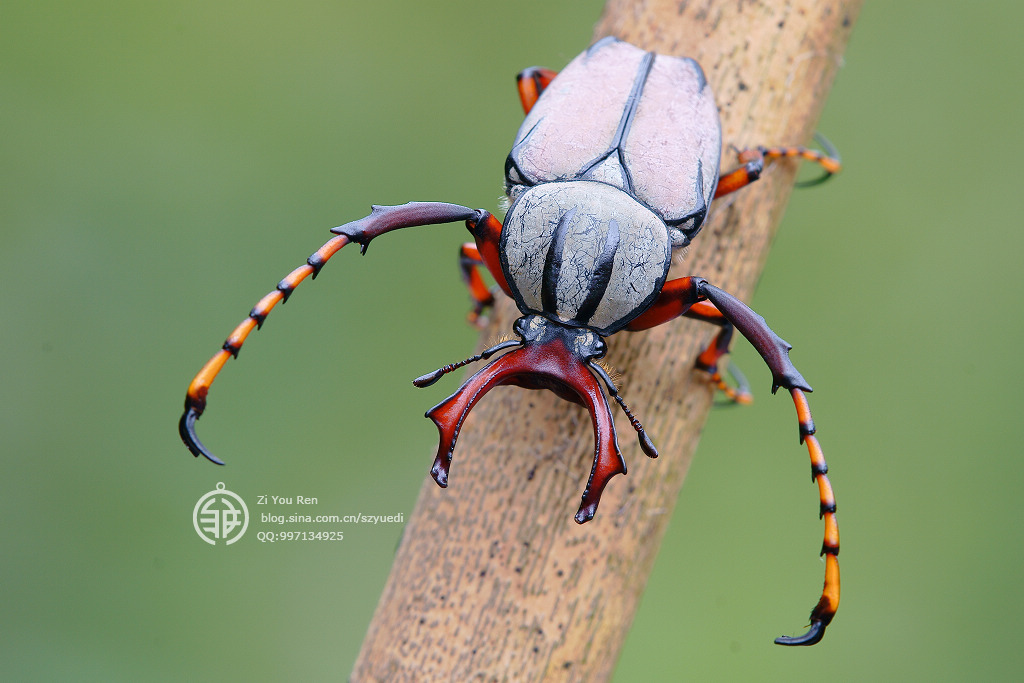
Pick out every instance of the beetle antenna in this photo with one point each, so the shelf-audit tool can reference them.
(645, 442)
(431, 377)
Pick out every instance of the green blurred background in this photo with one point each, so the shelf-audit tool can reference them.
(164, 164)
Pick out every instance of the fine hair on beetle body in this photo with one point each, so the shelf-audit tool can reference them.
(609, 178)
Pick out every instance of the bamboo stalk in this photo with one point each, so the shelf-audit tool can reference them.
(493, 580)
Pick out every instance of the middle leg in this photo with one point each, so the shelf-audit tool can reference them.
(531, 83)
(671, 305)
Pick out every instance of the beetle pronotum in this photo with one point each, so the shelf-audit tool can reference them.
(613, 170)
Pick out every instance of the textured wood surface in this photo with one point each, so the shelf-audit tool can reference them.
(493, 580)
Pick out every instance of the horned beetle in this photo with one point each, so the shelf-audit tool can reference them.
(612, 170)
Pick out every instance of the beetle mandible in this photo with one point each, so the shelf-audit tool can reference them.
(612, 170)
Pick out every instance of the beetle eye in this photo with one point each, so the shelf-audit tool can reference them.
(512, 174)
(678, 238)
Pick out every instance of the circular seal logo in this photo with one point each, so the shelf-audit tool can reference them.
(220, 516)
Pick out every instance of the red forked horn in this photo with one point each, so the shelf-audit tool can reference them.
(544, 362)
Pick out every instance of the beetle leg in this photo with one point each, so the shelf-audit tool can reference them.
(682, 295)
(775, 352)
(195, 398)
(531, 83)
(382, 219)
(825, 610)
(487, 231)
(755, 159)
(677, 296)
(469, 265)
(676, 300)
(707, 361)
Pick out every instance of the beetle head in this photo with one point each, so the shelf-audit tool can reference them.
(585, 345)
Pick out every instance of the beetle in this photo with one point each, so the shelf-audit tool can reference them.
(612, 171)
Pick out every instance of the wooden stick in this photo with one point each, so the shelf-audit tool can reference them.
(493, 579)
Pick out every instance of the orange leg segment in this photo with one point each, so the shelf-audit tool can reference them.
(694, 297)
(755, 159)
(826, 608)
(382, 219)
(531, 83)
(672, 304)
(469, 264)
(195, 398)
(487, 231)
(708, 360)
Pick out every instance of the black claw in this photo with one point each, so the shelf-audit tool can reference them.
(831, 151)
(742, 385)
(814, 634)
(187, 430)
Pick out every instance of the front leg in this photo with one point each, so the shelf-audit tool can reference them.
(382, 219)
(678, 297)
(480, 223)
